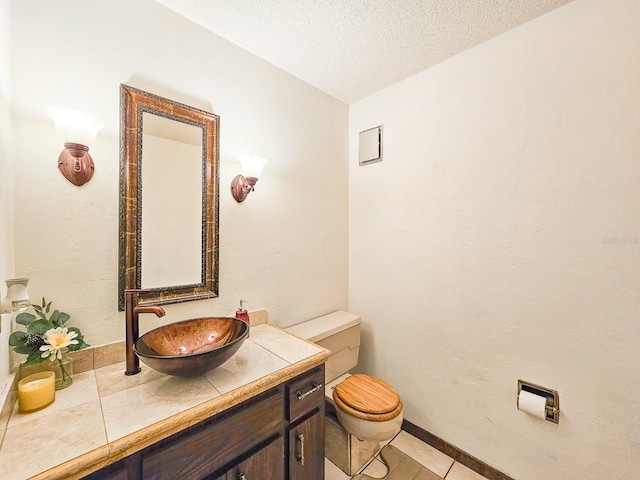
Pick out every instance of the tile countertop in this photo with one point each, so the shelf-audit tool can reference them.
(106, 415)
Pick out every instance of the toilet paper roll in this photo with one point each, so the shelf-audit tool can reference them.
(532, 404)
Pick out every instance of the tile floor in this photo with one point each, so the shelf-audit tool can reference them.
(439, 463)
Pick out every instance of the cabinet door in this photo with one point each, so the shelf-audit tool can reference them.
(266, 464)
(196, 453)
(306, 449)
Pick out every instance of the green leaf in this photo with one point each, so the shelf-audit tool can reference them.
(77, 330)
(43, 302)
(63, 318)
(55, 318)
(33, 358)
(17, 338)
(48, 307)
(23, 349)
(25, 318)
(37, 308)
(40, 326)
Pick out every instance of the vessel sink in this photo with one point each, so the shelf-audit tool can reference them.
(191, 347)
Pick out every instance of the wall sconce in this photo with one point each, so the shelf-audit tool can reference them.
(242, 185)
(17, 299)
(77, 130)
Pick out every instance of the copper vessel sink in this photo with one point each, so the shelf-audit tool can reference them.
(191, 347)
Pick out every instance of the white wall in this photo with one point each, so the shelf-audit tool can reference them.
(284, 249)
(6, 188)
(500, 239)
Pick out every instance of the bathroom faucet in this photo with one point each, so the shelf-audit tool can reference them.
(132, 310)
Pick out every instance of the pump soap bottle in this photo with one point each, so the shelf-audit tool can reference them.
(243, 315)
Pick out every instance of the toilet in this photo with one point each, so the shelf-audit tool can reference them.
(367, 407)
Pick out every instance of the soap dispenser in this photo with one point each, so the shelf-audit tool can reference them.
(242, 314)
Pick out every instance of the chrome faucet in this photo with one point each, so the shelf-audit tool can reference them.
(132, 310)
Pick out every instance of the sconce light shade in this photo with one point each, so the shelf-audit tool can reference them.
(242, 185)
(77, 130)
(17, 299)
(252, 165)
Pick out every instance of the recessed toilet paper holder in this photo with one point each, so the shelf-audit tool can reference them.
(552, 398)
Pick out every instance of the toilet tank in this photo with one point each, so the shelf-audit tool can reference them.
(338, 332)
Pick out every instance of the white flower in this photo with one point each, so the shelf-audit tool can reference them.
(57, 339)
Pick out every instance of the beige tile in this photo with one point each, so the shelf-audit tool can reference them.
(460, 472)
(82, 360)
(111, 353)
(258, 317)
(111, 379)
(249, 363)
(135, 408)
(82, 390)
(425, 454)
(376, 469)
(35, 446)
(362, 451)
(286, 346)
(331, 472)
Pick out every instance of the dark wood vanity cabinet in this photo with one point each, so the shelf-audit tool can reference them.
(306, 449)
(276, 435)
(267, 463)
(305, 413)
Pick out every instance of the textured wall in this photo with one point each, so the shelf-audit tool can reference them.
(283, 249)
(6, 187)
(499, 239)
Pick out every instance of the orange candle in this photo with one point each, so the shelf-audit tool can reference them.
(36, 391)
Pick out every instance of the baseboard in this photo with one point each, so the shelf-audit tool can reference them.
(454, 452)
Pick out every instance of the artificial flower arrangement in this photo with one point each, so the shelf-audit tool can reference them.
(45, 337)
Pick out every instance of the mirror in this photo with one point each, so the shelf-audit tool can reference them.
(169, 193)
(169, 184)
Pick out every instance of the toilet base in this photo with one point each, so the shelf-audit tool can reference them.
(368, 430)
(346, 451)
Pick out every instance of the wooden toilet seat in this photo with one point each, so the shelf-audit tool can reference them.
(367, 398)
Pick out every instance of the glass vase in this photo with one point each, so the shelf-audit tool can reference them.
(63, 369)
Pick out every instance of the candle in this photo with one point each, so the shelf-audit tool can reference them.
(36, 391)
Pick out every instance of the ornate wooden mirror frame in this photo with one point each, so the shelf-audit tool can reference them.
(133, 103)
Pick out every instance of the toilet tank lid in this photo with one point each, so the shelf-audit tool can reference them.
(325, 326)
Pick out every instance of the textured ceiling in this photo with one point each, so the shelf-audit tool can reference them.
(353, 48)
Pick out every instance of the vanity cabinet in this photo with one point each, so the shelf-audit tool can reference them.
(305, 412)
(306, 449)
(201, 450)
(276, 435)
(267, 463)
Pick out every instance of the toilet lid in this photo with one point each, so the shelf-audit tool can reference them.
(367, 397)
